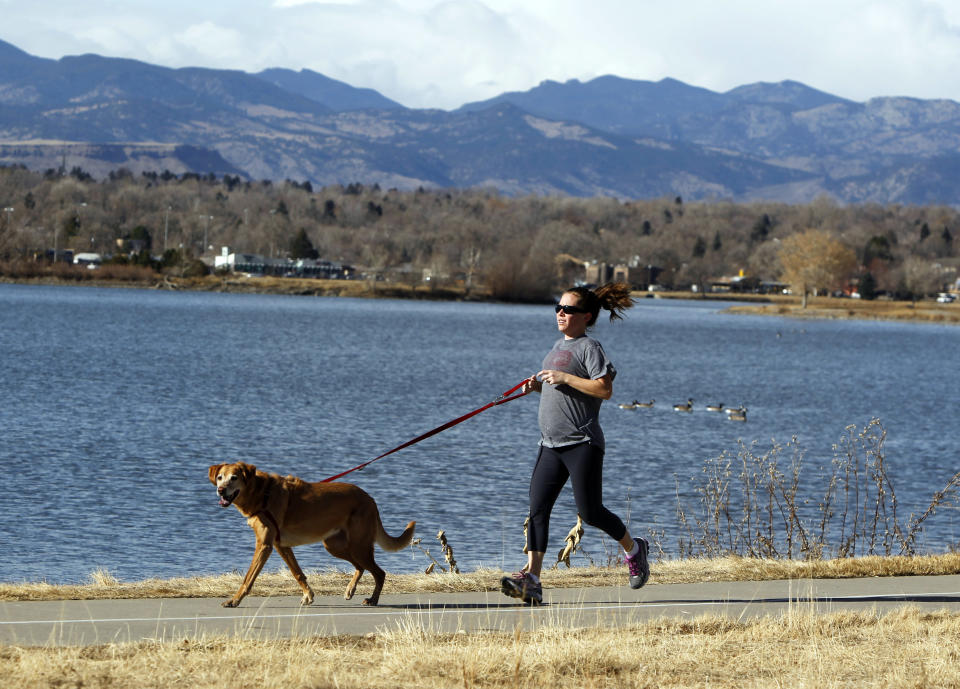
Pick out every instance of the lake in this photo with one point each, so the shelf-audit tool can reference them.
(117, 400)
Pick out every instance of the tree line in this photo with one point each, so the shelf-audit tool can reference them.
(514, 247)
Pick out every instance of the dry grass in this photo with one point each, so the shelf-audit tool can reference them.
(332, 583)
(827, 307)
(133, 276)
(908, 648)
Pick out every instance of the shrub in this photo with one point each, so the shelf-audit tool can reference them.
(753, 506)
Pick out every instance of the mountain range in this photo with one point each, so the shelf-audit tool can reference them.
(609, 136)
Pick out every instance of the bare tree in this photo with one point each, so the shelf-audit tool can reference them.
(921, 277)
(814, 260)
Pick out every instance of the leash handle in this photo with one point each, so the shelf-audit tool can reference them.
(505, 397)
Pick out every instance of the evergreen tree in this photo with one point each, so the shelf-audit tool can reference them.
(142, 233)
(699, 248)
(877, 248)
(302, 247)
(761, 228)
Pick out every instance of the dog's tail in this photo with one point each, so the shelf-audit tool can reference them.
(393, 543)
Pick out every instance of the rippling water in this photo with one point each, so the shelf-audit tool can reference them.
(117, 400)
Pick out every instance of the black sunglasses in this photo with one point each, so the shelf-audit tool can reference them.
(568, 309)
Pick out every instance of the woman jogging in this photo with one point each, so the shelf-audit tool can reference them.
(576, 377)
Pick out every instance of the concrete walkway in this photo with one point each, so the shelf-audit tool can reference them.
(56, 623)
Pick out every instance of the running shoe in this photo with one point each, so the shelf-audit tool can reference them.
(638, 566)
(521, 586)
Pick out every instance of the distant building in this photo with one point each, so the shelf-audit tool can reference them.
(637, 276)
(55, 255)
(747, 284)
(254, 264)
(91, 260)
(598, 273)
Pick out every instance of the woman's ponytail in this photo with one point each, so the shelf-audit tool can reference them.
(613, 296)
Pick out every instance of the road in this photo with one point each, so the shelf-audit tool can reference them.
(57, 623)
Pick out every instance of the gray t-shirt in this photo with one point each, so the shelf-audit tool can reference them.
(568, 416)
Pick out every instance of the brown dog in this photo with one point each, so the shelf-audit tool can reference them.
(284, 512)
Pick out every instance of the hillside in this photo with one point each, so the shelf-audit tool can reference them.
(607, 137)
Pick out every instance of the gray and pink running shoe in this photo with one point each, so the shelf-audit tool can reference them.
(638, 566)
(521, 586)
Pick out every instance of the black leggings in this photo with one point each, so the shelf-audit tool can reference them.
(583, 464)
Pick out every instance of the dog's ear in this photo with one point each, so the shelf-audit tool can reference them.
(247, 471)
(213, 471)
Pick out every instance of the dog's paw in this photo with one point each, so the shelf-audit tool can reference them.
(230, 603)
(307, 599)
(368, 601)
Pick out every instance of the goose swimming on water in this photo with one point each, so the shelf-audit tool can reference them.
(684, 407)
(738, 414)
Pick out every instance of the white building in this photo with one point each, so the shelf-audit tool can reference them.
(90, 260)
(255, 264)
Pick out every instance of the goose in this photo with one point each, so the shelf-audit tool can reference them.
(646, 405)
(739, 414)
(631, 405)
(715, 407)
(684, 407)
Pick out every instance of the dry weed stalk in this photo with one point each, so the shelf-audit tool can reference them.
(448, 552)
(418, 544)
(941, 497)
(572, 544)
(753, 507)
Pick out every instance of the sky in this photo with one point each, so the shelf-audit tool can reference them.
(442, 54)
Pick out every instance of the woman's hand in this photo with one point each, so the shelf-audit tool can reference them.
(531, 384)
(600, 387)
(551, 377)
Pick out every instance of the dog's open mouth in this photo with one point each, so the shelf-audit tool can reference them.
(225, 499)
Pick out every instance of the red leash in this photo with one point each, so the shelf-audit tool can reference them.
(502, 399)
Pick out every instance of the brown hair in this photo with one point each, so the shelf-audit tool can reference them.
(613, 296)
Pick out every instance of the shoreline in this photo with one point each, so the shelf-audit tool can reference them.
(238, 284)
(853, 309)
(826, 308)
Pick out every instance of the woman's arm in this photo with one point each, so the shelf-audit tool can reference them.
(598, 387)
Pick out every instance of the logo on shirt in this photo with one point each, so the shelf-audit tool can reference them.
(560, 361)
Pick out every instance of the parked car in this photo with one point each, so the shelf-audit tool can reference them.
(946, 298)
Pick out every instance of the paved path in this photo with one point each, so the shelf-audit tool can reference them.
(172, 619)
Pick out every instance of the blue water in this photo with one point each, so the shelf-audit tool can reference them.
(115, 401)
